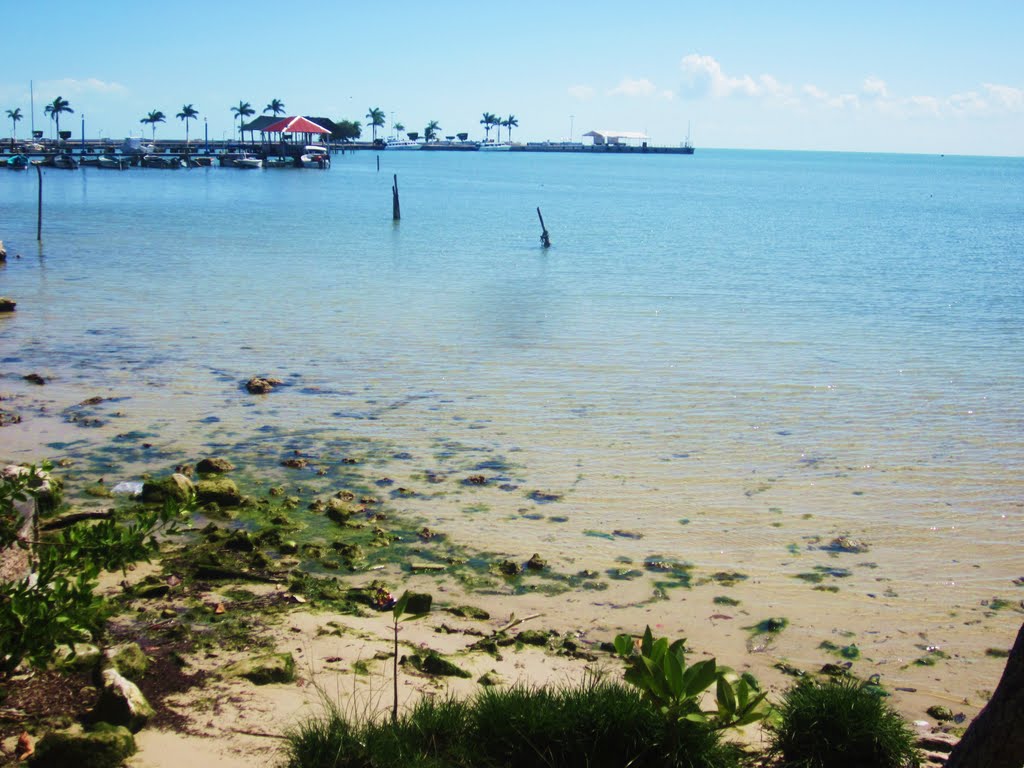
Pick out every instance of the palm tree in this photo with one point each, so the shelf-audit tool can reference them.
(397, 128)
(242, 111)
(376, 118)
(14, 115)
(488, 121)
(187, 113)
(58, 107)
(430, 132)
(510, 122)
(154, 117)
(275, 107)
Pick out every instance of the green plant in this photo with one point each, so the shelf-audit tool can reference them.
(658, 669)
(56, 605)
(840, 723)
(396, 615)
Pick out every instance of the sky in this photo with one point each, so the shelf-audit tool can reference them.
(898, 76)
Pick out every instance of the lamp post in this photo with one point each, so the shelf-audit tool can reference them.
(206, 135)
(83, 133)
(571, 119)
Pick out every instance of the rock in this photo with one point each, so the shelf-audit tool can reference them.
(340, 511)
(3, 251)
(510, 568)
(532, 637)
(847, 544)
(7, 305)
(469, 612)
(8, 417)
(536, 563)
(128, 659)
(176, 487)
(121, 703)
(262, 385)
(289, 547)
(294, 463)
(218, 490)
(434, 664)
(214, 466)
(939, 712)
(490, 679)
(34, 378)
(938, 742)
(78, 656)
(261, 670)
(105, 746)
(419, 602)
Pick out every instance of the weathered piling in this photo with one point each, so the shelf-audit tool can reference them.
(396, 208)
(545, 238)
(39, 212)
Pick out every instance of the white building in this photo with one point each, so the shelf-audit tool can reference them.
(617, 137)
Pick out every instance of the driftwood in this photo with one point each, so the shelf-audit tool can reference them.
(996, 737)
(75, 517)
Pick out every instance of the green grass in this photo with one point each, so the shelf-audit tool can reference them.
(596, 724)
(840, 723)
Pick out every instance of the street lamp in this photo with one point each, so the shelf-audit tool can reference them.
(571, 119)
(206, 135)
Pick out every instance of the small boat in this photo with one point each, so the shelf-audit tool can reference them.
(279, 162)
(493, 146)
(17, 162)
(246, 160)
(115, 163)
(65, 161)
(200, 161)
(315, 157)
(401, 144)
(161, 161)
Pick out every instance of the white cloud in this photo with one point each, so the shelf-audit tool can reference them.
(926, 104)
(704, 75)
(875, 88)
(814, 92)
(972, 101)
(631, 87)
(1006, 96)
(581, 92)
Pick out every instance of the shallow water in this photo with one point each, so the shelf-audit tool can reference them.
(731, 353)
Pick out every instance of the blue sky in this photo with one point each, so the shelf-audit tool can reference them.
(934, 77)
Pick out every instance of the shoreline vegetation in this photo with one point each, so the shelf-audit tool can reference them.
(238, 575)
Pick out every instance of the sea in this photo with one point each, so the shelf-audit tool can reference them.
(730, 359)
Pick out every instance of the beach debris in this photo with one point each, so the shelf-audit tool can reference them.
(261, 385)
(7, 305)
(8, 417)
(545, 237)
(214, 465)
(34, 378)
(475, 480)
(510, 568)
(627, 534)
(24, 749)
(128, 488)
(490, 679)
(417, 567)
(3, 251)
(543, 498)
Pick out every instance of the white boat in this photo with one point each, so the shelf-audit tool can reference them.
(493, 146)
(245, 160)
(315, 157)
(401, 144)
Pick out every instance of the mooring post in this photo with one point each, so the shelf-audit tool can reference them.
(545, 238)
(39, 215)
(396, 208)
(378, 163)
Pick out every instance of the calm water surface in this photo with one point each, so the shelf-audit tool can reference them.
(731, 353)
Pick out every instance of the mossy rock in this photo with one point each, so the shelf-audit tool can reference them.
(434, 664)
(940, 713)
(491, 679)
(78, 656)
(419, 602)
(469, 612)
(218, 490)
(261, 670)
(215, 465)
(128, 659)
(105, 746)
(533, 637)
(339, 510)
(177, 487)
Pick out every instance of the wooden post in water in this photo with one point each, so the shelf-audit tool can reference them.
(39, 215)
(378, 163)
(545, 238)
(396, 208)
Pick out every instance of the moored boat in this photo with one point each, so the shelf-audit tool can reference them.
(160, 161)
(114, 163)
(246, 160)
(17, 162)
(494, 146)
(401, 144)
(65, 161)
(315, 157)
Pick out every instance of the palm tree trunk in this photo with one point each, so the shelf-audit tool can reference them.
(996, 737)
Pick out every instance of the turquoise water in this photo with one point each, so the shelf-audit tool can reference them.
(734, 339)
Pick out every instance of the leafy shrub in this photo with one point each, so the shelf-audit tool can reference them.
(840, 723)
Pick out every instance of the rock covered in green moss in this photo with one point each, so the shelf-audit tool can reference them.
(218, 490)
(434, 664)
(121, 703)
(127, 658)
(105, 746)
(176, 487)
(214, 465)
(265, 669)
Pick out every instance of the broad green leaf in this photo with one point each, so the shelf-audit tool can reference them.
(624, 645)
(700, 676)
(399, 607)
(726, 699)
